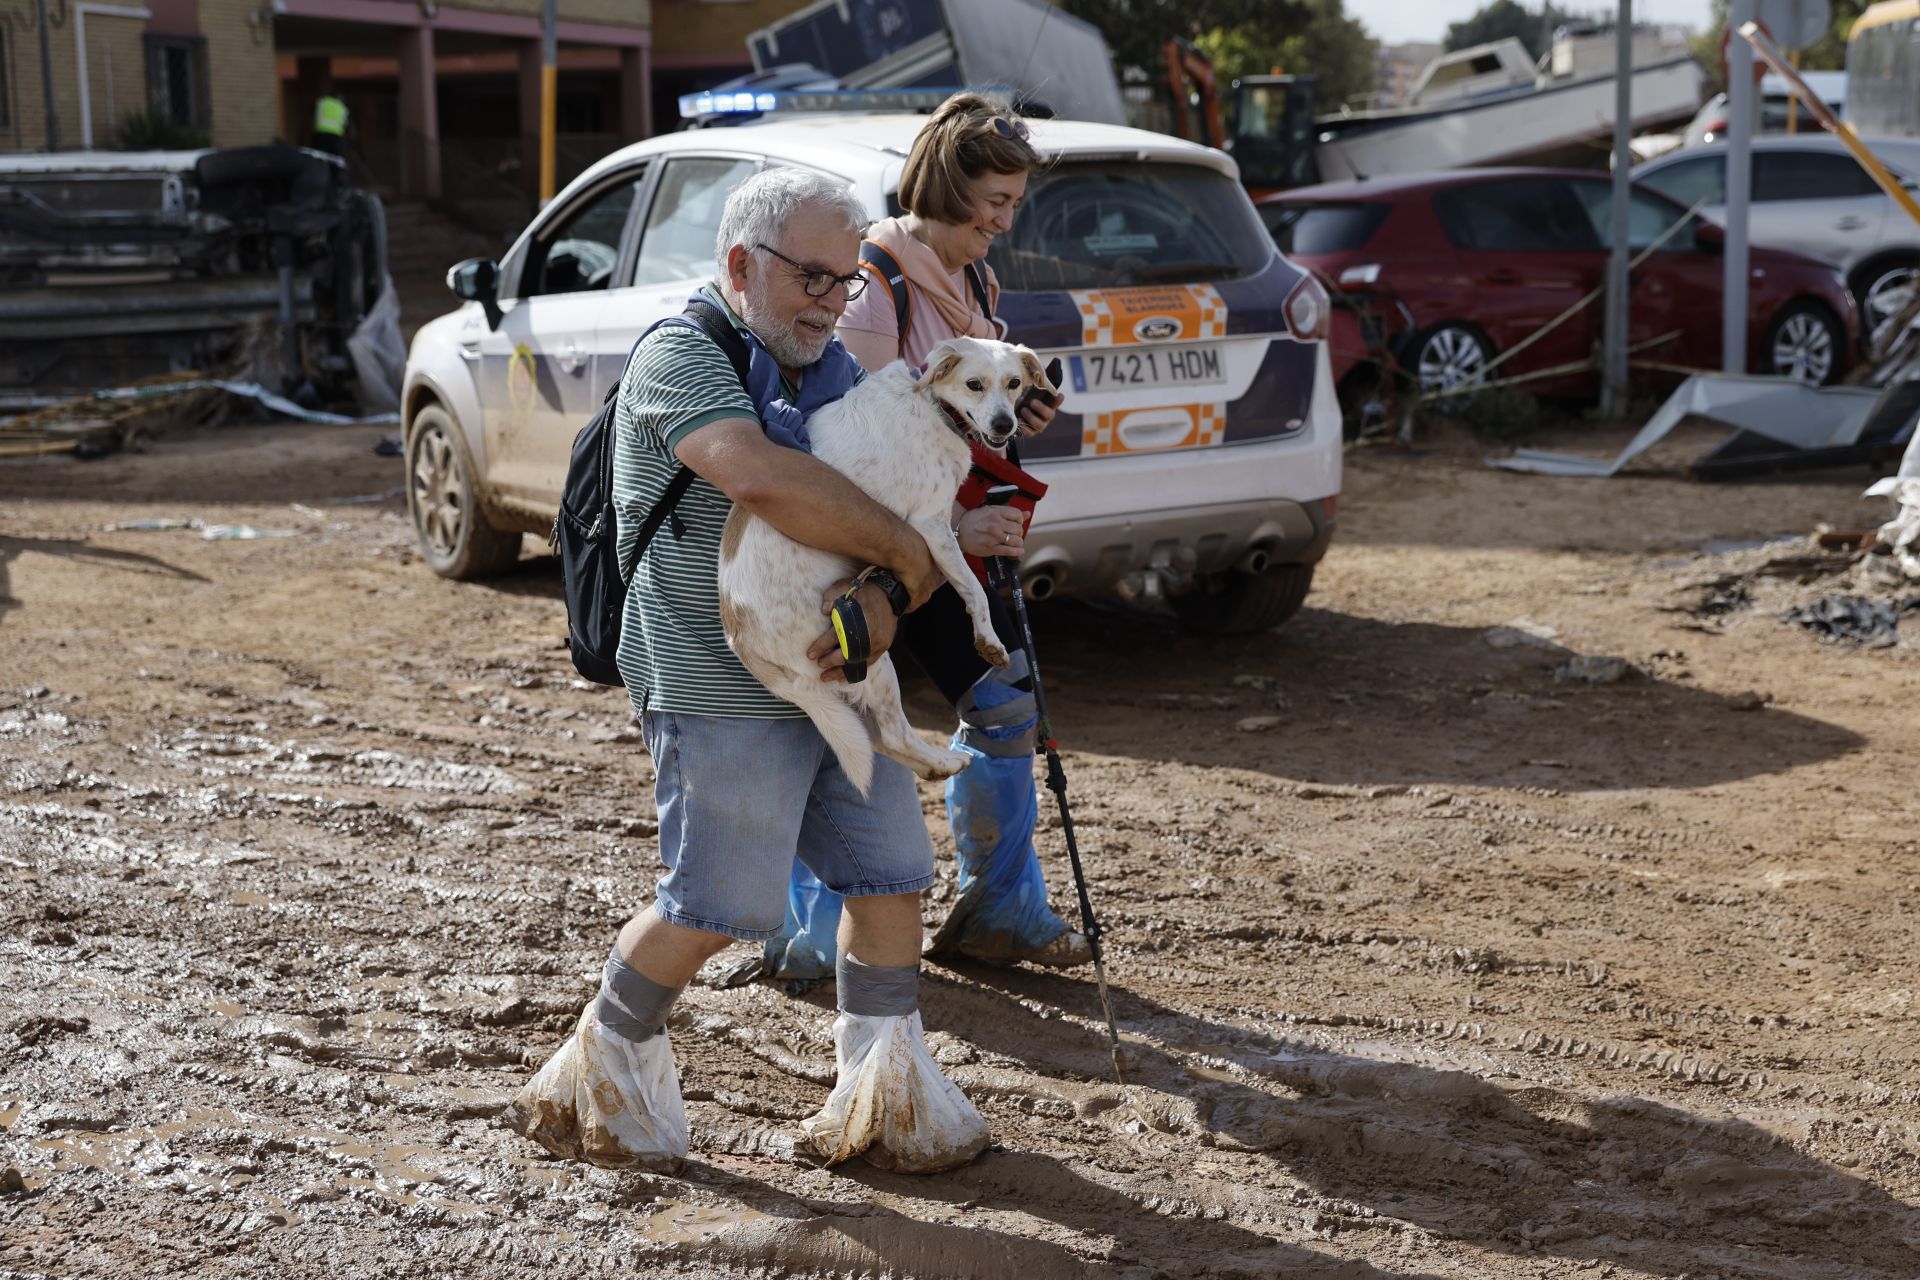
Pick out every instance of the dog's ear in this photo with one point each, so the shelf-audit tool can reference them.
(1036, 374)
(941, 362)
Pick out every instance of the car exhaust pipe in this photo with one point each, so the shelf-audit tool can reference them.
(1255, 560)
(1040, 584)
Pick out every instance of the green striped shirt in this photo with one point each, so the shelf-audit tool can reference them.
(673, 652)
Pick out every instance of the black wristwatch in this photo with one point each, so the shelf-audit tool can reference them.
(890, 586)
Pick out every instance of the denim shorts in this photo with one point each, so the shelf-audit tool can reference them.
(740, 798)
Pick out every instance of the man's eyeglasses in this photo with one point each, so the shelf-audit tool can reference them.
(818, 283)
(1010, 129)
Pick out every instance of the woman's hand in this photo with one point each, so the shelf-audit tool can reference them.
(1035, 414)
(991, 531)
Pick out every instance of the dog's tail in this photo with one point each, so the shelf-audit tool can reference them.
(845, 730)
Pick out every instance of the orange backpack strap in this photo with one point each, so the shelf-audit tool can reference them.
(886, 268)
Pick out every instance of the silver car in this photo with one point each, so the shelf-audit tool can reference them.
(1810, 195)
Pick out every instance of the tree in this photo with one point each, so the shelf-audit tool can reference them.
(1136, 30)
(1503, 19)
(1828, 53)
(1334, 47)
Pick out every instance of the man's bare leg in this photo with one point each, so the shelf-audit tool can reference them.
(882, 931)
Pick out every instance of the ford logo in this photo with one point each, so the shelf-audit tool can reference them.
(1157, 329)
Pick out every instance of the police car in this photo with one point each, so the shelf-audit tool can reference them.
(1196, 458)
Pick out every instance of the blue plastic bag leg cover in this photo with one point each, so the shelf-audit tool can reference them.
(806, 946)
(1000, 911)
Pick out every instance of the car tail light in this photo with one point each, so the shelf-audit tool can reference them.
(1307, 311)
(1329, 505)
(1368, 273)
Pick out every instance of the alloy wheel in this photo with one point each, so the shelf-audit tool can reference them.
(1450, 357)
(439, 491)
(1803, 348)
(1886, 298)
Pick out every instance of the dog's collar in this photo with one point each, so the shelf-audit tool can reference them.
(955, 421)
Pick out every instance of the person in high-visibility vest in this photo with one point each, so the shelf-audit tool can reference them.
(329, 124)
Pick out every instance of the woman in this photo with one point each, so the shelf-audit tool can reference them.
(963, 183)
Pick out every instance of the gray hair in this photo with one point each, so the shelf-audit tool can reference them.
(760, 205)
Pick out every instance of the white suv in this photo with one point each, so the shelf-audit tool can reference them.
(1197, 456)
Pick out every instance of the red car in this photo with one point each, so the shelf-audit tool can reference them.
(1482, 258)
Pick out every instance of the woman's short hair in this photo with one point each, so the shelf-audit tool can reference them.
(959, 142)
(761, 205)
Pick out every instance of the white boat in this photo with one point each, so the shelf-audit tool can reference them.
(1490, 105)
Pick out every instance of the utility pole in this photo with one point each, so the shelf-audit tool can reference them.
(46, 77)
(1740, 113)
(1613, 400)
(549, 97)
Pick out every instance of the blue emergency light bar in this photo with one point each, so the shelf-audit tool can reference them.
(723, 102)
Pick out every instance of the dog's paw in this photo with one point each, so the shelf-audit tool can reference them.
(944, 765)
(990, 650)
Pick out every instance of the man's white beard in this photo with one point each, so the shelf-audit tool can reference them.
(788, 348)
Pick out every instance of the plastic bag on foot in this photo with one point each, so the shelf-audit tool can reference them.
(891, 1103)
(606, 1100)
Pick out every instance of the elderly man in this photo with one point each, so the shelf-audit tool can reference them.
(744, 782)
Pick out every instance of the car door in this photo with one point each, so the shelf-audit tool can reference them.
(1528, 253)
(539, 383)
(1816, 202)
(674, 255)
(1673, 297)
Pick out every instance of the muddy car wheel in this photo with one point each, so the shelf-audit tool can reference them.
(1803, 342)
(454, 534)
(1450, 357)
(1238, 604)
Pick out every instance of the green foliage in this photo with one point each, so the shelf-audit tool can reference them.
(1500, 415)
(1334, 47)
(1828, 53)
(152, 129)
(1504, 18)
(1137, 29)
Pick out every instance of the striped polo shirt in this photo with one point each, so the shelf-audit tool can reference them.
(673, 652)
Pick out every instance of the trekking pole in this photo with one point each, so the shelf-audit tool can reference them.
(1002, 574)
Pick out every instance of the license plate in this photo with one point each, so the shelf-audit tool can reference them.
(1152, 368)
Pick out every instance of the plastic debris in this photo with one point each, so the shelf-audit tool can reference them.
(891, 1104)
(149, 526)
(609, 1101)
(1855, 619)
(242, 533)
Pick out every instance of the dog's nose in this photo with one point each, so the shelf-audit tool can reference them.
(1002, 424)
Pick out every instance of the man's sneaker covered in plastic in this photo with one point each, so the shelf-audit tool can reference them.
(891, 1103)
(606, 1100)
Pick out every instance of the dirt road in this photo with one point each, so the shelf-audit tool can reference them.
(1430, 963)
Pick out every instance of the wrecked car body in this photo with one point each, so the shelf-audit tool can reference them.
(258, 262)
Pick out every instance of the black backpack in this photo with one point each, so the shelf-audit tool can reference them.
(586, 533)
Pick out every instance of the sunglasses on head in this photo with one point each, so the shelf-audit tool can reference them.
(1010, 129)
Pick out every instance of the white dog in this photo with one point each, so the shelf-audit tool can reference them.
(901, 437)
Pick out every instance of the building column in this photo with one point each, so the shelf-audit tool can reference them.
(310, 75)
(530, 119)
(419, 114)
(636, 93)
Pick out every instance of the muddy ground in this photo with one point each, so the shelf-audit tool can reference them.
(1446, 967)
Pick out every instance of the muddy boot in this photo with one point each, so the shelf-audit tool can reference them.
(890, 1102)
(611, 1095)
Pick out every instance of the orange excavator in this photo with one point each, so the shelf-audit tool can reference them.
(1272, 136)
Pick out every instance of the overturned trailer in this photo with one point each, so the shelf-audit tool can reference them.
(259, 262)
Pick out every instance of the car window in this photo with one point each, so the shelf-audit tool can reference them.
(1809, 175)
(1648, 217)
(1324, 228)
(1515, 215)
(1097, 224)
(1688, 181)
(580, 252)
(677, 242)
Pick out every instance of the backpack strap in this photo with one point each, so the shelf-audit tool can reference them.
(711, 321)
(977, 280)
(886, 268)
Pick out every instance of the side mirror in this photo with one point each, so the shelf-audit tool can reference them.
(1709, 237)
(476, 280)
